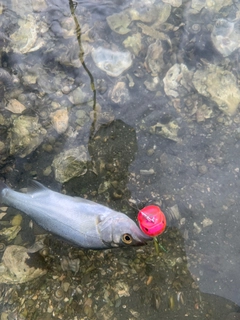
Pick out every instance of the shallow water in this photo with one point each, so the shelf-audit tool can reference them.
(158, 124)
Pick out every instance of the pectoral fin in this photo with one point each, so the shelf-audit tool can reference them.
(34, 188)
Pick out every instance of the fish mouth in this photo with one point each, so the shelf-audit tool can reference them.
(141, 238)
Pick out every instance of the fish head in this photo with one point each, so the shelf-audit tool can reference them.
(118, 230)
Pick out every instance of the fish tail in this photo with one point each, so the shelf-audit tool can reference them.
(3, 186)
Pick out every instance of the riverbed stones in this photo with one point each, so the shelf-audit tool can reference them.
(25, 37)
(219, 85)
(15, 266)
(60, 120)
(114, 63)
(70, 163)
(133, 43)
(77, 96)
(25, 135)
(177, 79)
(119, 93)
(154, 59)
(226, 36)
(15, 106)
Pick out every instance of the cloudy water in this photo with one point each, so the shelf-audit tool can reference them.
(125, 103)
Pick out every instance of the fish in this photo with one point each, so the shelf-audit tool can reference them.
(82, 222)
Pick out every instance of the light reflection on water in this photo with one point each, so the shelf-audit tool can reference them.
(173, 141)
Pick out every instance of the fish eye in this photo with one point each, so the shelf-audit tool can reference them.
(127, 238)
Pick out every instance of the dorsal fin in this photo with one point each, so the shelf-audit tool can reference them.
(35, 187)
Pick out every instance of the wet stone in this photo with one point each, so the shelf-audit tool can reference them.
(119, 93)
(202, 169)
(60, 120)
(77, 96)
(154, 59)
(218, 85)
(15, 106)
(82, 117)
(226, 36)
(15, 268)
(70, 163)
(119, 22)
(25, 135)
(198, 5)
(25, 37)
(29, 79)
(176, 81)
(114, 63)
(39, 5)
(47, 171)
(174, 3)
(133, 43)
(153, 84)
(168, 130)
(10, 233)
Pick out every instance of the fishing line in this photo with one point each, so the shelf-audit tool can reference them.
(73, 6)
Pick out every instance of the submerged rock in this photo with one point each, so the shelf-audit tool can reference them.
(218, 85)
(119, 93)
(25, 37)
(6, 79)
(113, 63)
(119, 22)
(17, 266)
(226, 36)
(133, 43)
(25, 136)
(153, 84)
(15, 106)
(168, 130)
(174, 3)
(10, 233)
(70, 163)
(154, 59)
(154, 33)
(198, 5)
(60, 120)
(176, 81)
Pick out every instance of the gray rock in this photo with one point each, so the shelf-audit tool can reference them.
(70, 163)
(25, 135)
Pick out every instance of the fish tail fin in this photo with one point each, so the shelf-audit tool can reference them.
(3, 186)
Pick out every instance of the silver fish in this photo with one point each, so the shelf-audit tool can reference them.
(80, 221)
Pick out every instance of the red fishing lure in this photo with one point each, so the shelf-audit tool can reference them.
(152, 220)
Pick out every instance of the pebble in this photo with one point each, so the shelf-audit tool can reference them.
(202, 169)
(207, 222)
(50, 309)
(65, 286)
(15, 106)
(60, 120)
(47, 147)
(66, 89)
(147, 172)
(16, 220)
(55, 105)
(149, 280)
(150, 152)
(47, 171)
